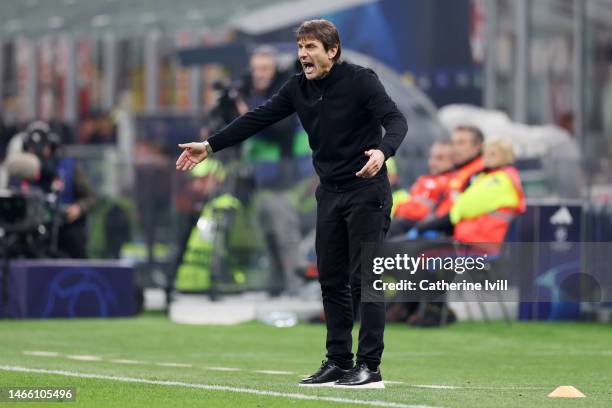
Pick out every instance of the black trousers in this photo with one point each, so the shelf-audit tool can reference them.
(346, 219)
(72, 239)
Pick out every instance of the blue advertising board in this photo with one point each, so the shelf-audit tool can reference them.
(70, 288)
(558, 258)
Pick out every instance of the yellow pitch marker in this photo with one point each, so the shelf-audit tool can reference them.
(566, 391)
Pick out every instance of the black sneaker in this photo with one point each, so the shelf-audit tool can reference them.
(325, 376)
(361, 376)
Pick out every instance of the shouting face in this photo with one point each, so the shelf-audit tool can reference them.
(316, 61)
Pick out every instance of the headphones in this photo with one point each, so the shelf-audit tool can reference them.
(38, 134)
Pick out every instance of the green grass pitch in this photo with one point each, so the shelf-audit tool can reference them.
(465, 365)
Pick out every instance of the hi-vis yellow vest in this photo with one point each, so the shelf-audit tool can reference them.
(193, 273)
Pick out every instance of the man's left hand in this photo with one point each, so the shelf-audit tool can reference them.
(374, 164)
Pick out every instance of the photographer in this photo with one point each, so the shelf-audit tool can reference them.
(276, 156)
(63, 178)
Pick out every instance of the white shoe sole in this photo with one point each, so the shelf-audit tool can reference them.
(327, 384)
(378, 385)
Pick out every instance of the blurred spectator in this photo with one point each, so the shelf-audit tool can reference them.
(275, 155)
(484, 211)
(426, 191)
(63, 177)
(97, 128)
(64, 131)
(11, 140)
(467, 149)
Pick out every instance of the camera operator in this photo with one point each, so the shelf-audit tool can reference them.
(64, 178)
(274, 155)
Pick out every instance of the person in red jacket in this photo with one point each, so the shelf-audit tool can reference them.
(424, 194)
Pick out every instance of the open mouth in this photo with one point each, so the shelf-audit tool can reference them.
(308, 67)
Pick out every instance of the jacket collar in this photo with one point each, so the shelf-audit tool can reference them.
(469, 161)
(333, 75)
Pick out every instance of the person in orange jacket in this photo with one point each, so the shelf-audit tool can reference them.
(424, 194)
(427, 189)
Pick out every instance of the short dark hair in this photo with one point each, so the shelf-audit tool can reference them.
(477, 135)
(321, 30)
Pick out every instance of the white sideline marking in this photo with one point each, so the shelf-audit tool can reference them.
(174, 365)
(122, 361)
(476, 387)
(274, 372)
(41, 353)
(223, 368)
(210, 387)
(513, 387)
(84, 358)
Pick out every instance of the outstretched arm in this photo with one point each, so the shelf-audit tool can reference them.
(276, 108)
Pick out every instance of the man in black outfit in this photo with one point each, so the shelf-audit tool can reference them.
(342, 107)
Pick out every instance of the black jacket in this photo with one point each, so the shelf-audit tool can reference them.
(342, 114)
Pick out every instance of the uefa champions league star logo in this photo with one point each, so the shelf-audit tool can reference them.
(562, 219)
(74, 293)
